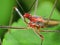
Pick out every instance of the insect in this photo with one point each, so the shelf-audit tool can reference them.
(35, 22)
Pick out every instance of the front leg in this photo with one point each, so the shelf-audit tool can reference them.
(41, 36)
(50, 30)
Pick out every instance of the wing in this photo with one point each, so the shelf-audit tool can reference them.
(51, 22)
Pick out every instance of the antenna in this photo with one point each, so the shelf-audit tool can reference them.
(52, 11)
(19, 12)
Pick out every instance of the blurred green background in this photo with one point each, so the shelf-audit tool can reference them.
(28, 37)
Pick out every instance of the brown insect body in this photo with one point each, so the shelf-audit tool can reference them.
(52, 22)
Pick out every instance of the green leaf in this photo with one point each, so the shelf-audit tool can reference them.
(21, 37)
(5, 13)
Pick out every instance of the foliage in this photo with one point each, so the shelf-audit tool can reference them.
(28, 37)
(5, 14)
